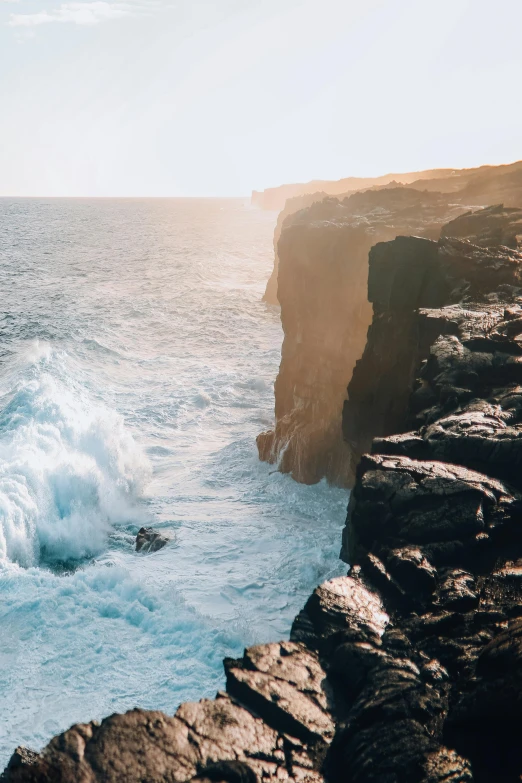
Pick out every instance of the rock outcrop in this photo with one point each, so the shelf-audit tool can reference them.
(325, 316)
(408, 670)
(435, 516)
(482, 185)
(275, 723)
(417, 288)
(150, 540)
(275, 198)
(479, 187)
(489, 227)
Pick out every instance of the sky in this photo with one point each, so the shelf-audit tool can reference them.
(202, 98)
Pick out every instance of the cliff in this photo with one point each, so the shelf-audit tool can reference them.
(291, 206)
(478, 187)
(434, 518)
(325, 316)
(407, 670)
(481, 186)
(379, 391)
(275, 198)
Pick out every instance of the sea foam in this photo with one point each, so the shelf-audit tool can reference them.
(140, 322)
(69, 469)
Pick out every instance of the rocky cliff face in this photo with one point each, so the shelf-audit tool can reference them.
(409, 669)
(479, 187)
(291, 206)
(275, 198)
(435, 518)
(325, 316)
(405, 278)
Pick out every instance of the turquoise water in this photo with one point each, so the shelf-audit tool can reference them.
(136, 368)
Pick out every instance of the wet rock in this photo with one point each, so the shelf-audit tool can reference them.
(22, 758)
(150, 540)
(289, 696)
(345, 604)
(399, 500)
(412, 569)
(457, 591)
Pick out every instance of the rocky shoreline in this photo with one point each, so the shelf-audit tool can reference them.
(406, 670)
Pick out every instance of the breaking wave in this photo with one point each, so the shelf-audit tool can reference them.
(69, 469)
(133, 332)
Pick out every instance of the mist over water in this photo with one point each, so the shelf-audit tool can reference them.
(136, 369)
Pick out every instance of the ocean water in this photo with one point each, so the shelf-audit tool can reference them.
(136, 368)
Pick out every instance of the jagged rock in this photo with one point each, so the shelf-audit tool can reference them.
(325, 314)
(415, 285)
(150, 540)
(344, 604)
(439, 505)
(403, 501)
(22, 757)
(201, 737)
(141, 745)
(457, 591)
(412, 569)
(488, 227)
(285, 684)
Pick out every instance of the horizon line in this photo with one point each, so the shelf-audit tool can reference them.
(127, 197)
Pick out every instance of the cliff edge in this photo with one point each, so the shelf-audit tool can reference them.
(476, 187)
(325, 314)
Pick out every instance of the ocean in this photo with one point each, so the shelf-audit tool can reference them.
(137, 364)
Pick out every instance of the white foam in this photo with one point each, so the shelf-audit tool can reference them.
(69, 469)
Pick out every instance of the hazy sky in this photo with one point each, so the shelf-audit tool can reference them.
(202, 97)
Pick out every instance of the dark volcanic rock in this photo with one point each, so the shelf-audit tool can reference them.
(342, 604)
(416, 287)
(439, 505)
(149, 540)
(286, 686)
(21, 760)
(488, 227)
(325, 313)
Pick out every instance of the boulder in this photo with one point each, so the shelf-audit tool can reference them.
(150, 540)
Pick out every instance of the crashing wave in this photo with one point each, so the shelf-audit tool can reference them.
(69, 469)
